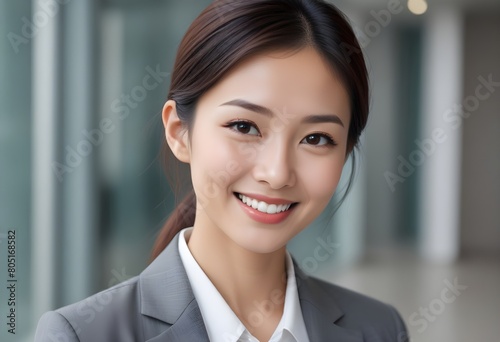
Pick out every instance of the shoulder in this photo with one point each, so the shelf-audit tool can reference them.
(138, 309)
(354, 303)
(52, 326)
(96, 318)
(378, 321)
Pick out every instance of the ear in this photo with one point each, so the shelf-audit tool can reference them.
(175, 132)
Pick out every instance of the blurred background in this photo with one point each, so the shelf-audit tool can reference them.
(82, 86)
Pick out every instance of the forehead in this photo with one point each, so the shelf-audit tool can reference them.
(301, 82)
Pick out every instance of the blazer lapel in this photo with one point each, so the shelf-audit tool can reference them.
(167, 297)
(189, 327)
(171, 312)
(320, 312)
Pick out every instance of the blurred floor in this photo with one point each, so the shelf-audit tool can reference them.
(468, 311)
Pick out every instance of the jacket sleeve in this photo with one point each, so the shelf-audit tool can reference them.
(53, 327)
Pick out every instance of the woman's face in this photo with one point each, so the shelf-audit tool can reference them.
(274, 130)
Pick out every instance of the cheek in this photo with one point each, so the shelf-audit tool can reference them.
(321, 178)
(215, 164)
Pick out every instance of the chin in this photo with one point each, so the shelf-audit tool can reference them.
(261, 243)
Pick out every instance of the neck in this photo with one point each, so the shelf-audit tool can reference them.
(249, 282)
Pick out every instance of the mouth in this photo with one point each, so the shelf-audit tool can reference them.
(272, 207)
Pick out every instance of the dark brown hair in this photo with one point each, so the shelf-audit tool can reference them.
(230, 31)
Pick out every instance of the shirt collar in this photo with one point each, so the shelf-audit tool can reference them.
(292, 320)
(221, 322)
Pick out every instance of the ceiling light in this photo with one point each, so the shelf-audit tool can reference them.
(417, 7)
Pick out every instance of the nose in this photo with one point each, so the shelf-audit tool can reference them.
(275, 166)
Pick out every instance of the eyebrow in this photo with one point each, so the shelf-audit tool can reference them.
(315, 118)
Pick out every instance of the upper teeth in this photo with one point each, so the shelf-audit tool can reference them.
(263, 206)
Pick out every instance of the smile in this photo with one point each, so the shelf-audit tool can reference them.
(265, 210)
(264, 207)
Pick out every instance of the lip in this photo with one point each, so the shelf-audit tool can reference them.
(261, 217)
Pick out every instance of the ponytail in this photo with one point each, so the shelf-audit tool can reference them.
(182, 217)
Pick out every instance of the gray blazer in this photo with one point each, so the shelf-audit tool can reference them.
(159, 305)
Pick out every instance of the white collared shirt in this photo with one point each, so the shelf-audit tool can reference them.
(221, 322)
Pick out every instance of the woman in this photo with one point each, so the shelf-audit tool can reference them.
(268, 99)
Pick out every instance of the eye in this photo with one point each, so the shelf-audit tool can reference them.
(244, 127)
(319, 139)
